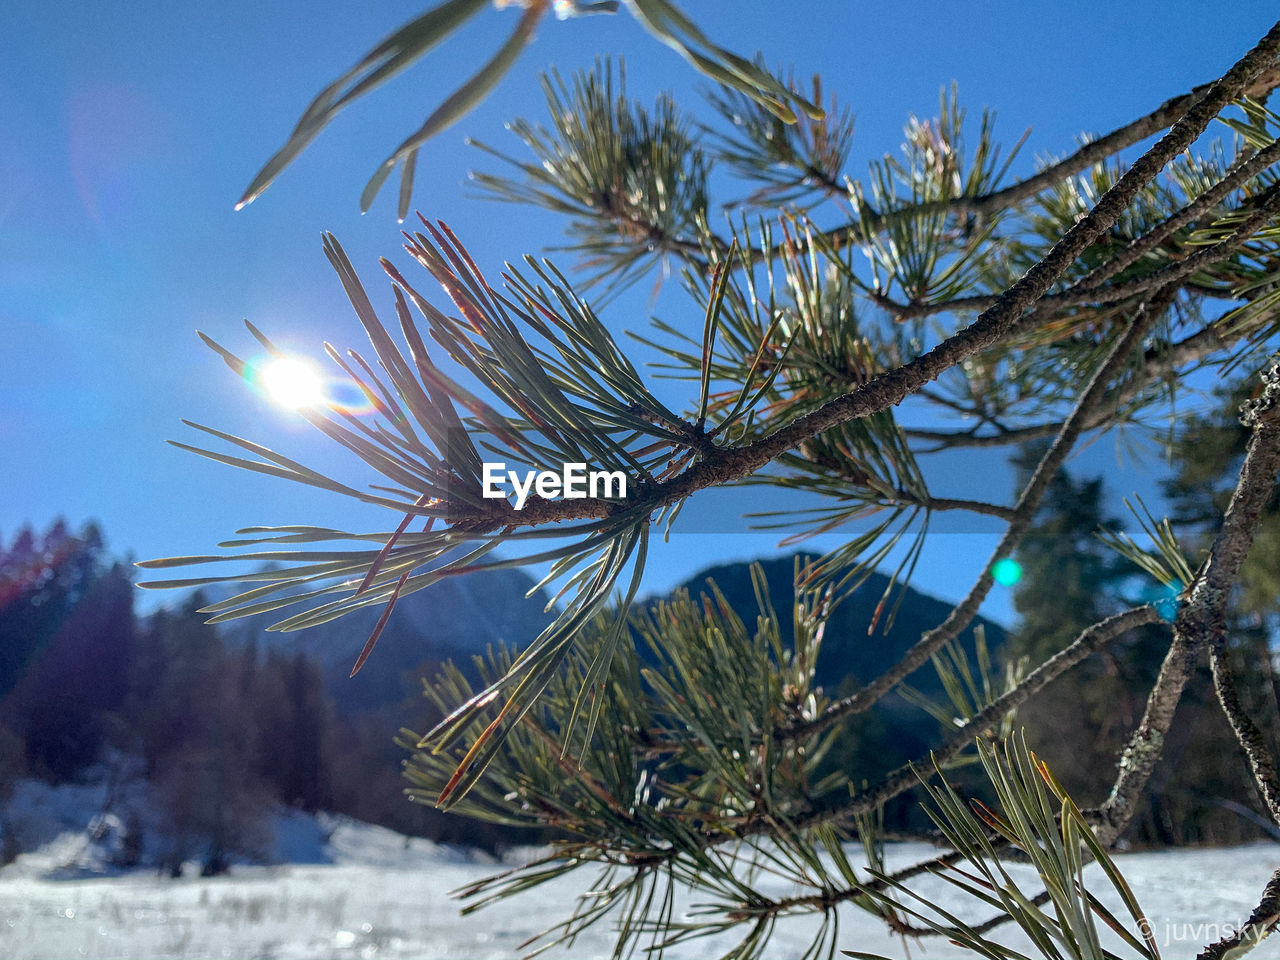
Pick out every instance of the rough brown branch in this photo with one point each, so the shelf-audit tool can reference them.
(1201, 620)
(1257, 483)
(1261, 761)
(1147, 742)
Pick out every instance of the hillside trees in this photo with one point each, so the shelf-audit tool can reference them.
(679, 743)
(223, 733)
(66, 636)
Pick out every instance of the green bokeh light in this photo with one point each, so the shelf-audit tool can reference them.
(1007, 572)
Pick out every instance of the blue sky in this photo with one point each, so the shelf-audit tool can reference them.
(131, 129)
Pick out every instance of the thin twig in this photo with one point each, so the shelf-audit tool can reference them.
(1158, 362)
(970, 506)
(904, 778)
(1025, 509)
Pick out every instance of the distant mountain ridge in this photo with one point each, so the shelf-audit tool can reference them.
(460, 617)
(456, 618)
(894, 731)
(848, 650)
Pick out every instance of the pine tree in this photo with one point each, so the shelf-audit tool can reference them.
(681, 742)
(66, 636)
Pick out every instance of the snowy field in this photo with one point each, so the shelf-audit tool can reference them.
(382, 896)
(345, 889)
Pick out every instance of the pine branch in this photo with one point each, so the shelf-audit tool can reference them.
(1260, 82)
(1245, 168)
(577, 398)
(990, 326)
(1024, 513)
(1090, 291)
(1089, 641)
(1036, 817)
(1107, 826)
(704, 757)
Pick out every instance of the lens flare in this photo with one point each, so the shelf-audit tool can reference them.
(346, 397)
(1006, 572)
(1166, 598)
(292, 383)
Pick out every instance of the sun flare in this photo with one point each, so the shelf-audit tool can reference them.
(292, 383)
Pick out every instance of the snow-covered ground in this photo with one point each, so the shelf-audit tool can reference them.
(354, 890)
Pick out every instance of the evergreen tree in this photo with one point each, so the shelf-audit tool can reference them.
(304, 780)
(67, 633)
(42, 582)
(1069, 579)
(1075, 299)
(209, 755)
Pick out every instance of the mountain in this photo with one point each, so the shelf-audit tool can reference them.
(848, 650)
(894, 731)
(455, 618)
(459, 617)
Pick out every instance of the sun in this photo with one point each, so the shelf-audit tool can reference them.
(292, 383)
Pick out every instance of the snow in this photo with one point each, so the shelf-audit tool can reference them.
(75, 828)
(348, 889)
